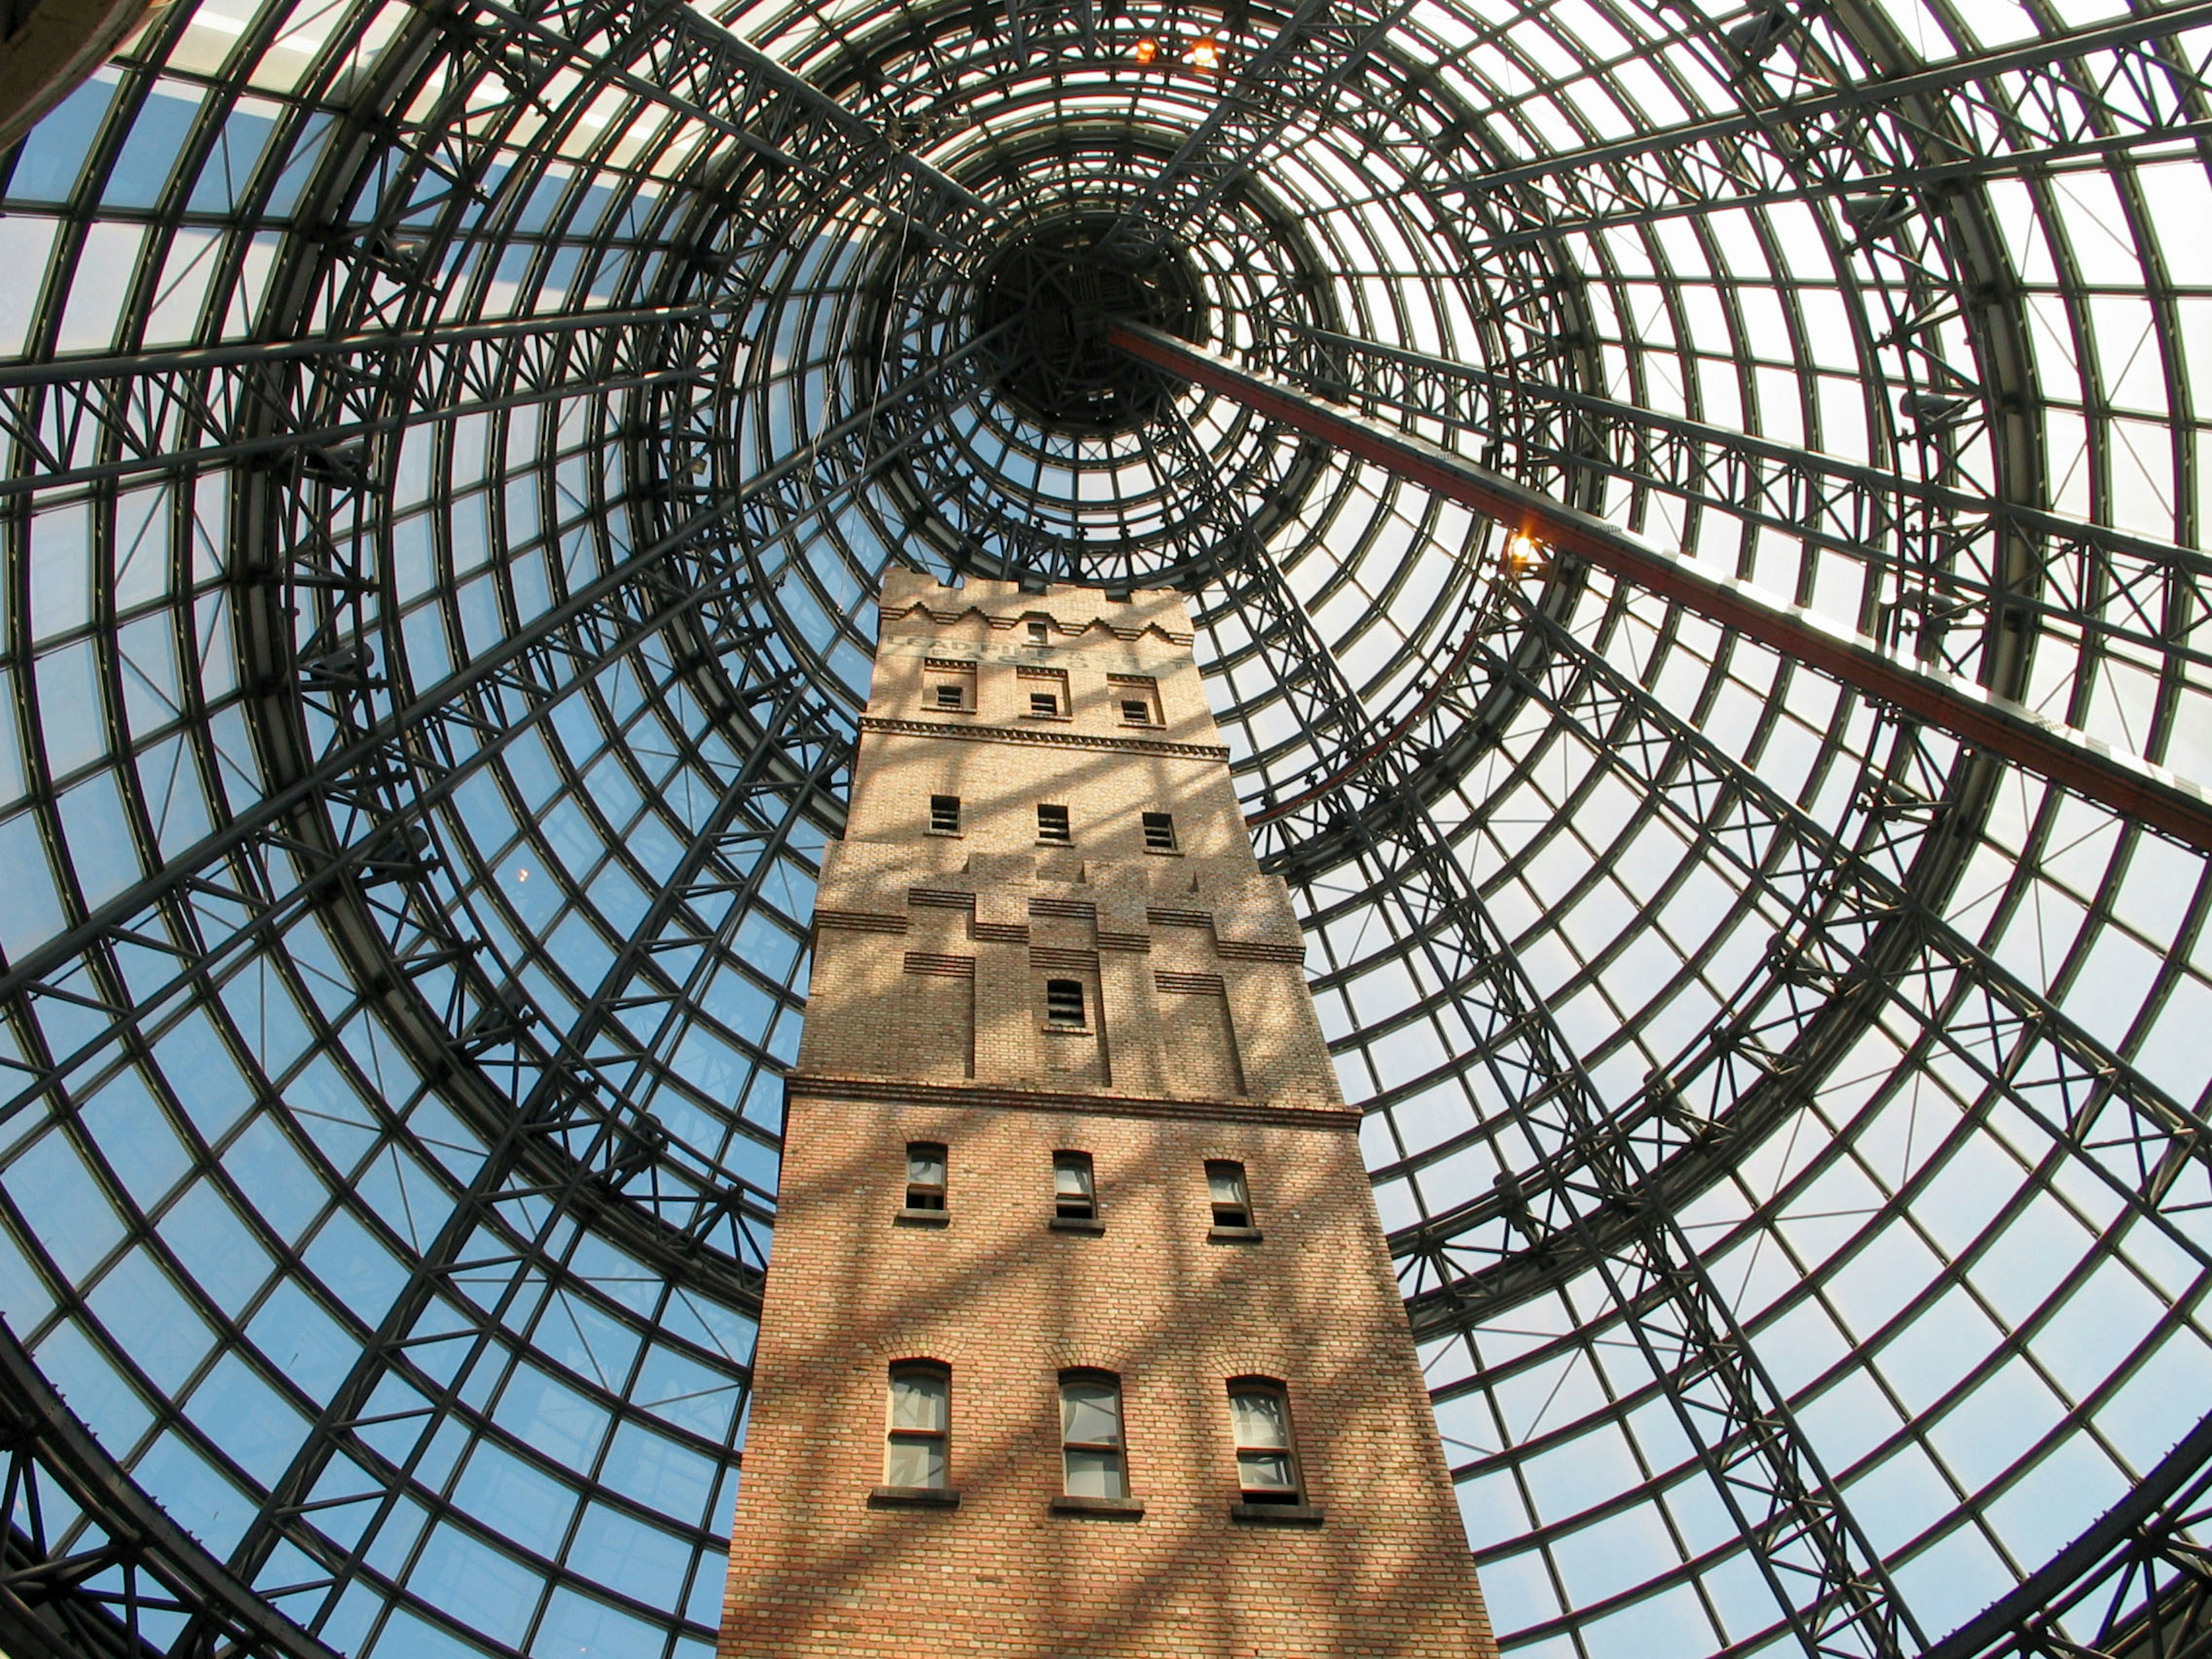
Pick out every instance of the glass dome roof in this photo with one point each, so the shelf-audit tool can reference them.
(451, 449)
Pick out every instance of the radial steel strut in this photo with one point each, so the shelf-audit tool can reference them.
(2122, 783)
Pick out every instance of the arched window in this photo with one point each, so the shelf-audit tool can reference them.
(1090, 1449)
(918, 1455)
(1267, 1460)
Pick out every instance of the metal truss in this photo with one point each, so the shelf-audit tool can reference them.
(2120, 782)
(1858, 945)
(446, 271)
(91, 1567)
(318, 402)
(2136, 1585)
(1297, 76)
(1575, 1163)
(1937, 581)
(1872, 145)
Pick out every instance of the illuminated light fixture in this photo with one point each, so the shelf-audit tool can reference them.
(1146, 51)
(1525, 556)
(1204, 53)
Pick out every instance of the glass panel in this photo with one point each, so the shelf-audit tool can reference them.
(1072, 1179)
(1091, 1412)
(1226, 1184)
(1261, 1418)
(1093, 1472)
(919, 1401)
(926, 1168)
(915, 1463)
(1265, 1471)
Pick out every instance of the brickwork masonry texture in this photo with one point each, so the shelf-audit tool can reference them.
(927, 1021)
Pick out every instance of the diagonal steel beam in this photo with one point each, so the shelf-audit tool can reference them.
(1937, 552)
(2122, 783)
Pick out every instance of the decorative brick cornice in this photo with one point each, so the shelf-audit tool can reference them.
(820, 1086)
(1043, 739)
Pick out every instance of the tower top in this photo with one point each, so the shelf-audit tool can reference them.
(1072, 612)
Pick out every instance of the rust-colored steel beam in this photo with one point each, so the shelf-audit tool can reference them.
(2123, 782)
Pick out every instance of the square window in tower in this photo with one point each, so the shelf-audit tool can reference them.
(1225, 1188)
(1160, 832)
(1138, 698)
(1075, 1198)
(1063, 1002)
(925, 1175)
(948, 687)
(1047, 691)
(1053, 828)
(944, 815)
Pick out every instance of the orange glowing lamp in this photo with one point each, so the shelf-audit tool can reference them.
(1147, 50)
(1204, 54)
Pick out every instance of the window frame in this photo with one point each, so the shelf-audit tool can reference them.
(1117, 1449)
(943, 815)
(1057, 1001)
(1160, 830)
(933, 1197)
(1235, 1217)
(1079, 1204)
(1055, 832)
(895, 1435)
(1293, 1496)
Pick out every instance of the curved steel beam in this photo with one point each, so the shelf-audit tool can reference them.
(89, 1552)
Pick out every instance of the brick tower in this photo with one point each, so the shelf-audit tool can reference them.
(1081, 1337)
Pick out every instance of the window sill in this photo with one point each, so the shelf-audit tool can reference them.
(1125, 1509)
(1164, 852)
(946, 835)
(1233, 1234)
(921, 1218)
(1057, 846)
(1276, 1514)
(1057, 720)
(1061, 1029)
(914, 1497)
(1076, 1223)
(940, 709)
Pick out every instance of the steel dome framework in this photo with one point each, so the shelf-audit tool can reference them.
(450, 448)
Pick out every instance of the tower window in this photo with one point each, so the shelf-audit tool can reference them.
(1259, 1416)
(948, 685)
(1039, 630)
(1044, 702)
(1138, 697)
(925, 1175)
(1225, 1186)
(1090, 1434)
(945, 814)
(1052, 826)
(1160, 832)
(921, 1424)
(1063, 1002)
(1075, 1198)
